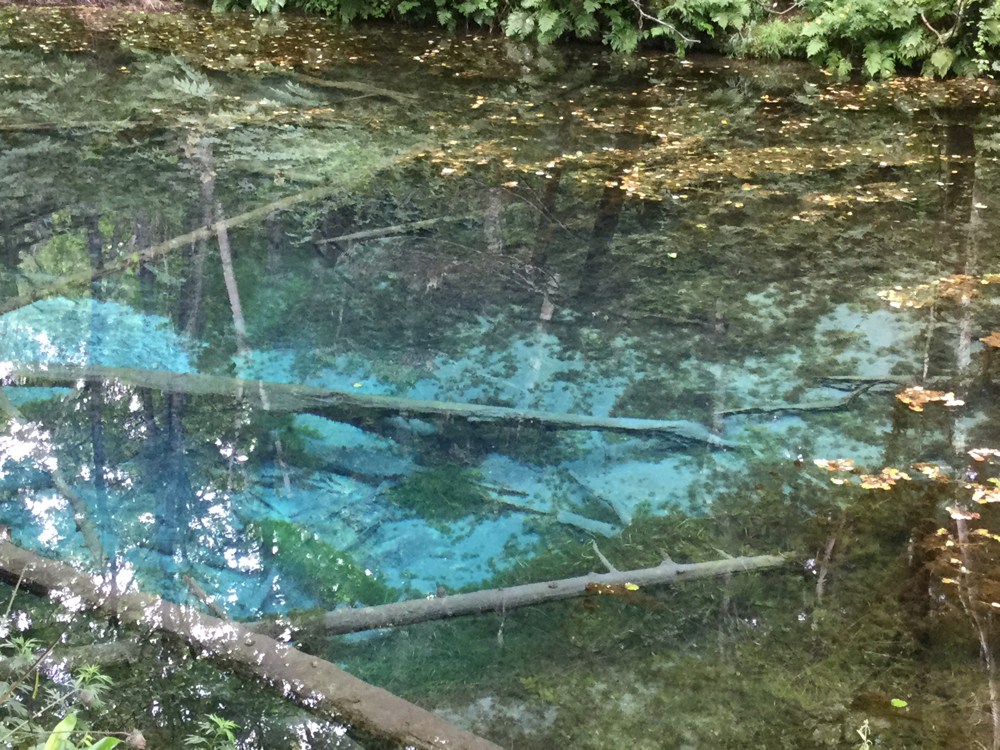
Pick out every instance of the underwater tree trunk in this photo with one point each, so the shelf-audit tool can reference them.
(355, 408)
(312, 682)
(347, 620)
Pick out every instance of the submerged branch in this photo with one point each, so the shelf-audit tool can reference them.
(311, 681)
(347, 620)
(355, 408)
(412, 226)
(828, 405)
(362, 88)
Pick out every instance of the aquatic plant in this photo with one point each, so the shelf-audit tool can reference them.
(443, 493)
(320, 570)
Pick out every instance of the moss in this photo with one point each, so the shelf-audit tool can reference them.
(320, 570)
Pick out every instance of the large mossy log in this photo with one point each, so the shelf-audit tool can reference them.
(347, 620)
(313, 682)
(354, 408)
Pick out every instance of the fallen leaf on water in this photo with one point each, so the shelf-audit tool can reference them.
(915, 397)
(992, 340)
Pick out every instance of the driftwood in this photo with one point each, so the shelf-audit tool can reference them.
(357, 408)
(347, 620)
(313, 682)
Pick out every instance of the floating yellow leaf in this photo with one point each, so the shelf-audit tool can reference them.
(835, 464)
(932, 471)
(981, 454)
(916, 396)
(883, 481)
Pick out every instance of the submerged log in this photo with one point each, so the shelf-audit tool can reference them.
(354, 408)
(313, 682)
(347, 620)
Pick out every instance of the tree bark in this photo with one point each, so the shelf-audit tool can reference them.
(358, 408)
(313, 682)
(346, 620)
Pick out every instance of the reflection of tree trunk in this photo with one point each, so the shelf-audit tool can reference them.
(493, 220)
(961, 201)
(95, 250)
(547, 223)
(173, 488)
(97, 434)
(961, 212)
(597, 264)
(141, 238)
(226, 256)
(983, 624)
(274, 231)
(192, 312)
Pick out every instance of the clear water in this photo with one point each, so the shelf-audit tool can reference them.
(646, 239)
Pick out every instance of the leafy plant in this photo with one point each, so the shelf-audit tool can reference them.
(59, 738)
(214, 733)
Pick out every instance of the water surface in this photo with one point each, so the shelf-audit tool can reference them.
(768, 257)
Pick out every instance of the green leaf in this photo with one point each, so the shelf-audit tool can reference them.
(941, 60)
(816, 45)
(60, 735)
(898, 702)
(547, 20)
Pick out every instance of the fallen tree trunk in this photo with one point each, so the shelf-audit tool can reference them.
(347, 620)
(355, 408)
(313, 682)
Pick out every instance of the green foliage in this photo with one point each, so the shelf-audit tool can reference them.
(444, 493)
(875, 36)
(59, 739)
(937, 36)
(214, 733)
(322, 571)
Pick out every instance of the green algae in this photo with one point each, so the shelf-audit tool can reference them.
(325, 573)
(441, 494)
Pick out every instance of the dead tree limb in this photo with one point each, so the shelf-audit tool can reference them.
(412, 226)
(313, 682)
(347, 620)
(359, 408)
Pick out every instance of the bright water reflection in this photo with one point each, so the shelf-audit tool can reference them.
(762, 256)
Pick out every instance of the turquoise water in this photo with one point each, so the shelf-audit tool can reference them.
(763, 254)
